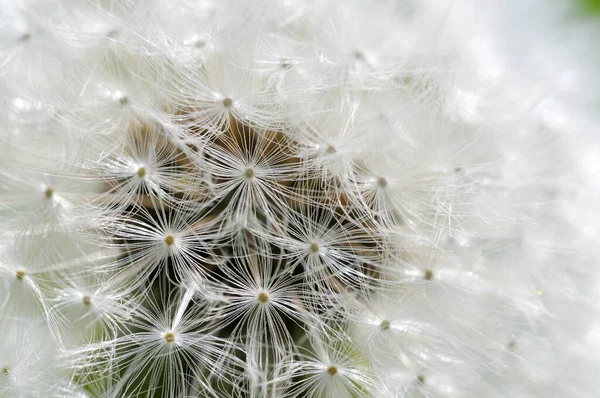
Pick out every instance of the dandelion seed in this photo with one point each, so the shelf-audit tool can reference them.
(169, 337)
(263, 297)
(358, 55)
(285, 64)
(169, 240)
(314, 248)
(25, 37)
(385, 325)
(141, 172)
(249, 173)
(428, 275)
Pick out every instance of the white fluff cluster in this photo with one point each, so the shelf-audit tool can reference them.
(311, 198)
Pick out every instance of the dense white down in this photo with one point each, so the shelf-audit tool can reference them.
(312, 198)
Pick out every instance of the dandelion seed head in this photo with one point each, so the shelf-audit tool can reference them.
(233, 234)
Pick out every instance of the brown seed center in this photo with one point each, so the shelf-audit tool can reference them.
(169, 337)
(87, 300)
(385, 325)
(249, 173)
(358, 55)
(332, 370)
(428, 275)
(314, 248)
(141, 172)
(20, 274)
(227, 102)
(285, 64)
(169, 240)
(263, 297)
(48, 193)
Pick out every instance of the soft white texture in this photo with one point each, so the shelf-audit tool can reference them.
(313, 198)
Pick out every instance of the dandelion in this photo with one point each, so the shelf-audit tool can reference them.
(275, 198)
(143, 165)
(262, 301)
(331, 371)
(164, 351)
(151, 241)
(29, 361)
